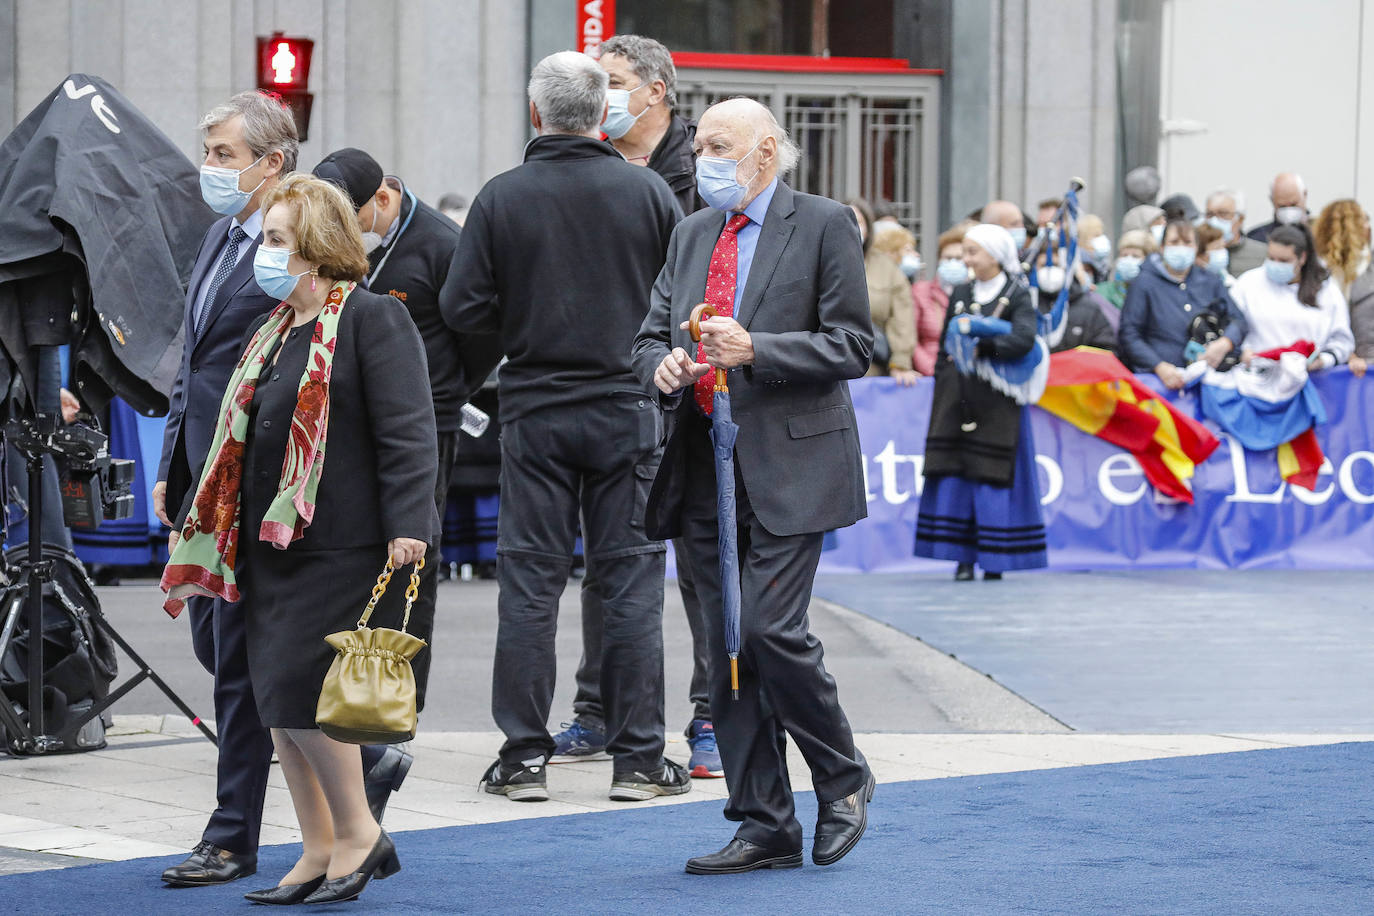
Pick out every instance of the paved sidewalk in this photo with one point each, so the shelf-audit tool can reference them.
(149, 792)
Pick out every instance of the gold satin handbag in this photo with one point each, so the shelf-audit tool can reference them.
(368, 696)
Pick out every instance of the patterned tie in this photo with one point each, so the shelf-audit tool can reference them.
(227, 262)
(720, 293)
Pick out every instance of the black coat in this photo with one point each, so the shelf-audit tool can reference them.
(674, 160)
(1085, 324)
(382, 453)
(558, 256)
(974, 428)
(207, 361)
(414, 272)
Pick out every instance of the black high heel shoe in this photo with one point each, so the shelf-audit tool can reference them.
(381, 862)
(286, 894)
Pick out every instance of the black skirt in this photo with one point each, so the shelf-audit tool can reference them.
(292, 600)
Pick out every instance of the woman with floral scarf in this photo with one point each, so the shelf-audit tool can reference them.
(296, 539)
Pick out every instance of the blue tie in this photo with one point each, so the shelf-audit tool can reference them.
(227, 262)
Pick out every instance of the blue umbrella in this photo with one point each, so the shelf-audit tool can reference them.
(723, 434)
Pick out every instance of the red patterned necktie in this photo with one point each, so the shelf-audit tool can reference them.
(720, 294)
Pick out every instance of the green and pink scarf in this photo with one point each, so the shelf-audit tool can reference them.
(203, 561)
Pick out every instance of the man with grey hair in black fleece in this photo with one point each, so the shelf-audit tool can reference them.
(558, 256)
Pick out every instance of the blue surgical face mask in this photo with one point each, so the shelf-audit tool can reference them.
(718, 180)
(911, 265)
(1280, 272)
(1101, 246)
(1127, 268)
(1158, 233)
(1178, 258)
(269, 269)
(219, 188)
(1218, 259)
(619, 121)
(952, 271)
(1018, 235)
(1223, 226)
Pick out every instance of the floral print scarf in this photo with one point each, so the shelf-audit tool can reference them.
(203, 561)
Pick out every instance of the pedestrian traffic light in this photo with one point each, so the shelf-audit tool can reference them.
(284, 68)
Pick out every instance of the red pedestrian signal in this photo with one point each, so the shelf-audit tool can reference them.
(284, 63)
(284, 68)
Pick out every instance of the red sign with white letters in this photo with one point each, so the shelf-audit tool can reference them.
(595, 23)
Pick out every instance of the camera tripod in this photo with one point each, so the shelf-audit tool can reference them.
(35, 437)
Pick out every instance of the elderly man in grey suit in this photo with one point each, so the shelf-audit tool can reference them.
(788, 267)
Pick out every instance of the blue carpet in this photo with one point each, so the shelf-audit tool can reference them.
(1274, 831)
(1171, 651)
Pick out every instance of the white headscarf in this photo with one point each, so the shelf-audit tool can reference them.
(997, 242)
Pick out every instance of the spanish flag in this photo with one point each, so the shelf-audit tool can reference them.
(1091, 389)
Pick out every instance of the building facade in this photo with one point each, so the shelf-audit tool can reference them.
(935, 105)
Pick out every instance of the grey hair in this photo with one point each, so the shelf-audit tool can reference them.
(1237, 198)
(649, 59)
(267, 125)
(789, 154)
(568, 90)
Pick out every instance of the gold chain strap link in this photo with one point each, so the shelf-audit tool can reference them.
(412, 590)
(377, 591)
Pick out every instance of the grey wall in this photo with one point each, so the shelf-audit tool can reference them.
(1031, 103)
(433, 88)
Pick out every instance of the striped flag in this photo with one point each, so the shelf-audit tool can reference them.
(1091, 389)
(1268, 404)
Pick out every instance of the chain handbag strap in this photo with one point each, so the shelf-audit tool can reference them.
(412, 591)
(378, 590)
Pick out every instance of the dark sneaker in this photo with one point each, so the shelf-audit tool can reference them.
(526, 782)
(668, 778)
(705, 762)
(577, 742)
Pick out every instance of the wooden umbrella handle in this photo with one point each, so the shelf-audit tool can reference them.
(705, 310)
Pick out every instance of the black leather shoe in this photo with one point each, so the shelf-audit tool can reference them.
(286, 894)
(963, 572)
(381, 862)
(384, 778)
(208, 864)
(991, 576)
(740, 856)
(840, 824)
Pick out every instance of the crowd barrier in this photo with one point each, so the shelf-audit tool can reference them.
(1100, 513)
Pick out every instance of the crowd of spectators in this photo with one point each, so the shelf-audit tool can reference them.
(1146, 293)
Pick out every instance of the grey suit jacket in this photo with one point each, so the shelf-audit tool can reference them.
(805, 306)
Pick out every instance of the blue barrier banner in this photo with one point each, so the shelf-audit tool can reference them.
(1102, 514)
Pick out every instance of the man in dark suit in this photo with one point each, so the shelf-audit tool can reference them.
(789, 268)
(250, 142)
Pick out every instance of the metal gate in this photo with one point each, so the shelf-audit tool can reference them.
(862, 135)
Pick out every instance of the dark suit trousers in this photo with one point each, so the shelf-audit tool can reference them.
(596, 459)
(587, 702)
(784, 687)
(245, 746)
